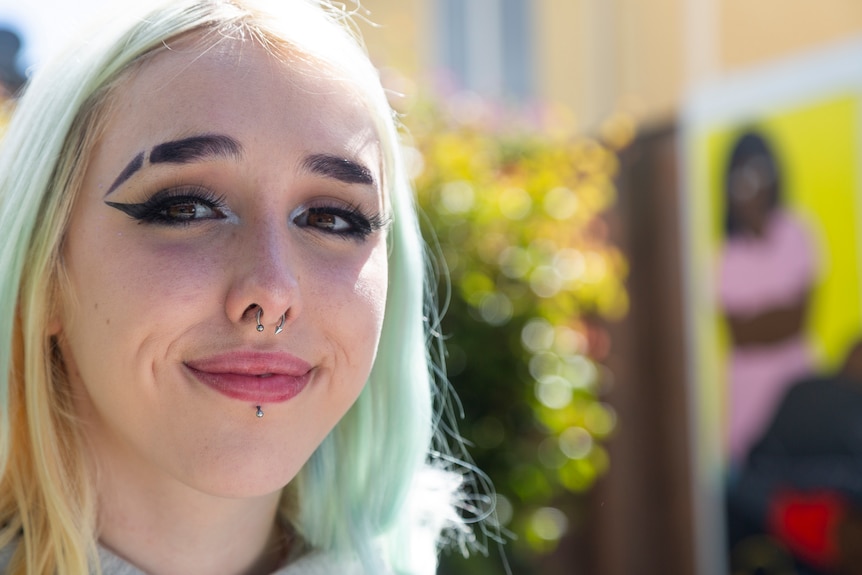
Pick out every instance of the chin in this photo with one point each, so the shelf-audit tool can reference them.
(242, 485)
(253, 474)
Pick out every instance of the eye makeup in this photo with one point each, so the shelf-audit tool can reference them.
(183, 151)
(349, 222)
(195, 149)
(184, 205)
(209, 146)
(189, 204)
(338, 168)
(136, 164)
(176, 206)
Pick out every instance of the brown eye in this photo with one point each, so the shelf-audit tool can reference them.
(334, 220)
(178, 206)
(347, 222)
(322, 220)
(189, 209)
(185, 211)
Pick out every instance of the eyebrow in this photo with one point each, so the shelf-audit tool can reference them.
(132, 167)
(338, 168)
(184, 151)
(196, 148)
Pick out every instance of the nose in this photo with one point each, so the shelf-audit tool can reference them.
(264, 292)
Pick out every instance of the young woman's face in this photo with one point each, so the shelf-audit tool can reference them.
(226, 183)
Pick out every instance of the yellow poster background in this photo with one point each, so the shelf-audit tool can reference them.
(818, 151)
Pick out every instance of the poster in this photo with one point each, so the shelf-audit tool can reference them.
(772, 209)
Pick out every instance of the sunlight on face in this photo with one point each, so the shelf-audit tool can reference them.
(229, 187)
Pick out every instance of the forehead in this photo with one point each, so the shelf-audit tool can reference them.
(278, 101)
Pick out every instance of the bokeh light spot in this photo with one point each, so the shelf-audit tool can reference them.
(545, 281)
(496, 309)
(576, 442)
(504, 509)
(561, 203)
(537, 335)
(570, 264)
(554, 392)
(580, 371)
(568, 341)
(457, 197)
(544, 364)
(600, 419)
(515, 262)
(549, 523)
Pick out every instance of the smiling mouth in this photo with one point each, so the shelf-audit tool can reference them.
(260, 388)
(253, 377)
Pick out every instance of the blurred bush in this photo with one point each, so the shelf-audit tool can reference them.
(518, 218)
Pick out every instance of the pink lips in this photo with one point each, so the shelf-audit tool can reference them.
(257, 377)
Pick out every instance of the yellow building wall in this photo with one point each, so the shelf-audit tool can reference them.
(597, 57)
(605, 56)
(557, 41)
(400, 36)
(761, 30)
(652, 65)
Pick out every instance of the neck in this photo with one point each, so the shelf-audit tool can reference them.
(163, 526)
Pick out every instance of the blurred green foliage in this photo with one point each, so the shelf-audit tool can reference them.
(518, 218)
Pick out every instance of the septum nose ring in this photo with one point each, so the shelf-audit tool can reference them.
(278, 329)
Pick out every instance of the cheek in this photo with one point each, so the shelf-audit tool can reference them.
(354, 312)
(371, 286)
(123, 279)
(124, 300)
(372, 289)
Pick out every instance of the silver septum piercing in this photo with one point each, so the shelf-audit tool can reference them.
(259, 412)
(278, 329)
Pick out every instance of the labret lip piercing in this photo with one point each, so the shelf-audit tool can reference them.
(278, 329)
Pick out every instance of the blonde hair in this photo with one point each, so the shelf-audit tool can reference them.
(372, 490)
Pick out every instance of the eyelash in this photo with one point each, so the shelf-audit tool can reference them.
(361, 225)
(155, 211)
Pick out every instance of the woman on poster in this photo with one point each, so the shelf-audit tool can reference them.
(766, 272)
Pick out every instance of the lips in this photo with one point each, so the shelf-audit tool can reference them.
(257, 377)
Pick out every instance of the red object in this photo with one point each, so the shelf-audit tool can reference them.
(807, 523)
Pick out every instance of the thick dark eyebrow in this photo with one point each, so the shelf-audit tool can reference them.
(183, 151)
(132, 167)
(196, 148)
(338, 168)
